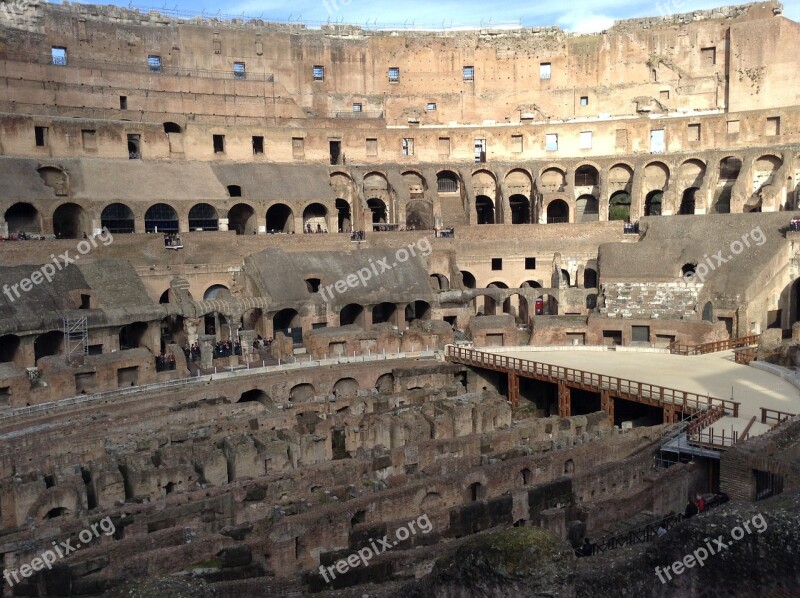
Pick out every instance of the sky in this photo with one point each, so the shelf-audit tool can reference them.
(579, 16)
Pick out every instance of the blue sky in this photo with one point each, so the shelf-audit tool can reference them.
(581, 16)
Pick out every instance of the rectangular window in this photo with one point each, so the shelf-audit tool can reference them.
(298, 147)
(394, 74)
(319, 73)
(530, 263)
(59, 55)
(657, 143)
(239, 71)
(258, 145)
(640, 334)
(733, 127)
(89, 138)
(586, 140)
(408, 146)
(708, 56)
(431, 106)
(622, 139)
(123, 102)
(516, 144)
(497, 263)
(134, 146)
(774, 125)
(694, 132)
(480, 151)
(544, 70)
(664, 94)
(444, 146)
(551, 142)
(154, 62)
(469, 73)
(219, 144)
(357, 107)
(584, 100)
(372, 146)
(41, 134)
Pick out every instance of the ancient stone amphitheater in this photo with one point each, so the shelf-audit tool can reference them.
(343, 311)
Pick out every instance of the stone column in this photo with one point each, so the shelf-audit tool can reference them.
(192, 325)
(207, 351)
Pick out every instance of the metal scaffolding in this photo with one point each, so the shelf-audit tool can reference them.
(76, 339)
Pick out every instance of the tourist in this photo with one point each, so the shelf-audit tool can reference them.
(691, 510)
(701, 504)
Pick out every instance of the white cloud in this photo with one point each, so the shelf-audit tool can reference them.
(583, 22)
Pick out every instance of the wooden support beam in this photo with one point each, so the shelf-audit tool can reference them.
(513, 390)
(564, 400)
(607, 404)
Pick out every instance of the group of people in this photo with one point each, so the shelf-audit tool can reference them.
(794, 225)
(631, 228)
(694, 506)
(227, 348)
(259, 344)
(172, 240)
(318, 231)
(165, 362)
(358, 235)
(21, 236)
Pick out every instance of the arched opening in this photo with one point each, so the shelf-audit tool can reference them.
(531, 284)
(351, 314)
(475, 492)
(384, 312)
(345, 220)
(419, 215)
(590, 278)
(280, 219)
(692, 173)
(569, 467)
(447, 182)
(288, 321)
(117, 218)
(557, 212)
(56, 513)
(315, 219)
(346, 388)
(619, 206)
(652, 204)
(48, 344)
(729, 168)
(586, 176)
(9, 345)
(526, 476)
(70, 221)
(161, 218)
(203, 217)
(419, 310)
(439, 282)
(468, 280)
(253, 319)
(415, 183)
(217, 292)
(173, 330)
(164, 297)
(688, 202)
(656, 176)
(553, 180)
(490, 304)
(385, 384)
(242, 219)
(131, 336)
(379, 213)
(23, 218)
(484, 208)
(565, 278)
(708, 312)
(520, 209)
(255, 395)
(170, 127)
(587, 209)
(302, 393)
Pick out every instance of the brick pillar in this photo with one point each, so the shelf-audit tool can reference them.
(564, 400)
(607, 404)
(513, 390)
(669, 413)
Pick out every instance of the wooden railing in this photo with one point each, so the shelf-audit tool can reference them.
(745, 355)
(641, 392)
(773, 418)
(714, 347)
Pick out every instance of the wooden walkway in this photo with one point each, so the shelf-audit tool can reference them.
(673, 402)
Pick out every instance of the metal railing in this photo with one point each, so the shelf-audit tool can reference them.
(619, 387)
(645, 533)
(365, 114)
(714, 347)
(143, 68)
